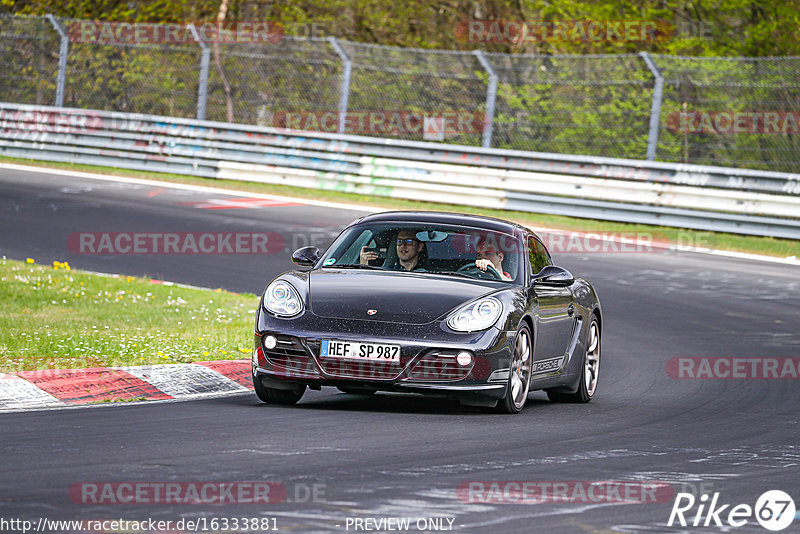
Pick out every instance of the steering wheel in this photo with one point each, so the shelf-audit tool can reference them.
(490, 270)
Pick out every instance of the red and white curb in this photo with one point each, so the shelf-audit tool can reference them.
(54, 388)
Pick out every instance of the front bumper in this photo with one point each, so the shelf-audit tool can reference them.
(427, 361)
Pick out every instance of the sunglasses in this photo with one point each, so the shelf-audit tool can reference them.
(409, 241)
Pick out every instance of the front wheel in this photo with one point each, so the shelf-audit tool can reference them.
(519, 374)
(591, 368)
(277, 396)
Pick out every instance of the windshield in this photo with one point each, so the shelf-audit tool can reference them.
(432, 248)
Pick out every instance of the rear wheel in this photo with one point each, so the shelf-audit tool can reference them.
(591, 368)
(519, 374)
(277, 396)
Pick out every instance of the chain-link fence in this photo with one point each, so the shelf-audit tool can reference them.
(29, 53)
(742, 112)
(731, 111)
(262, 83)
(596, 105)
(151, 78)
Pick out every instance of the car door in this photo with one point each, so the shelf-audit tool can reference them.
(555, 314)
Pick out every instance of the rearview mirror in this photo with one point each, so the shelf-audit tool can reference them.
(306, 256)
(432, 236)
(552, 275)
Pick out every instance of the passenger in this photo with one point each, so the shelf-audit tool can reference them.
(488, 255)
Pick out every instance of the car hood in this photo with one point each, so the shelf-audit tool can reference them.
(407, 298)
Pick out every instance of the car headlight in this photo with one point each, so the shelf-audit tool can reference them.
(282, 299)
(478, 315)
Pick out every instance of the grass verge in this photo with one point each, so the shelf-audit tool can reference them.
(56, 318)
(687, 238)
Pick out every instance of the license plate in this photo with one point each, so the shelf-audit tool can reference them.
(353, 350)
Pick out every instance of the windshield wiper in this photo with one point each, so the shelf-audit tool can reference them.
(456, 273)
(355, 266)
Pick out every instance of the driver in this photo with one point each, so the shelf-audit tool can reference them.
(411, 253)
(488, 255)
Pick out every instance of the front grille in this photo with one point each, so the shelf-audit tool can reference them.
(290, 354)
(360, 369)
(434, 368)
(365, 370)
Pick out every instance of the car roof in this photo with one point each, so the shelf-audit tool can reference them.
(440, 217)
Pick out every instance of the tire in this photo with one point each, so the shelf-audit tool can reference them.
(591, 369)
(519, 373)
(356, 391)
(277, 396)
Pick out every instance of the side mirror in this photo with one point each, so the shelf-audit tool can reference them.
(554, 276)
(306, 256)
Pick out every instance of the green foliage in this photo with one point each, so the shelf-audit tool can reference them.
(56, 318)
(716, 27)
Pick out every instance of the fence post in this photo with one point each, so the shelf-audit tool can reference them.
(344, 92)
(655, 108)
(491, 97)
(202, 86)
(63, 50)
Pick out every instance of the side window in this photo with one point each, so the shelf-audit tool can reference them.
(539, 258)
(350, 254)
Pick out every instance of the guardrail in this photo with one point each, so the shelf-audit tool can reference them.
(688, 196)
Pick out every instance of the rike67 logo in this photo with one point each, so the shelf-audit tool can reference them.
(774, 510)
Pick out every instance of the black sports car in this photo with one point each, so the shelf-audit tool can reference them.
(439, 303)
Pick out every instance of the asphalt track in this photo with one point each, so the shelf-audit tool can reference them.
(405, 456)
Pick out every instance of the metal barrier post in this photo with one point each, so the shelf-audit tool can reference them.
(344, 93)
(491, 97)
(62, 59)
(202, 86)
(655, 108)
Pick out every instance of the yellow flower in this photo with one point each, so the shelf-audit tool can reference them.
(30, 260)
(56, 264)
(130, 278)
(205, 354)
